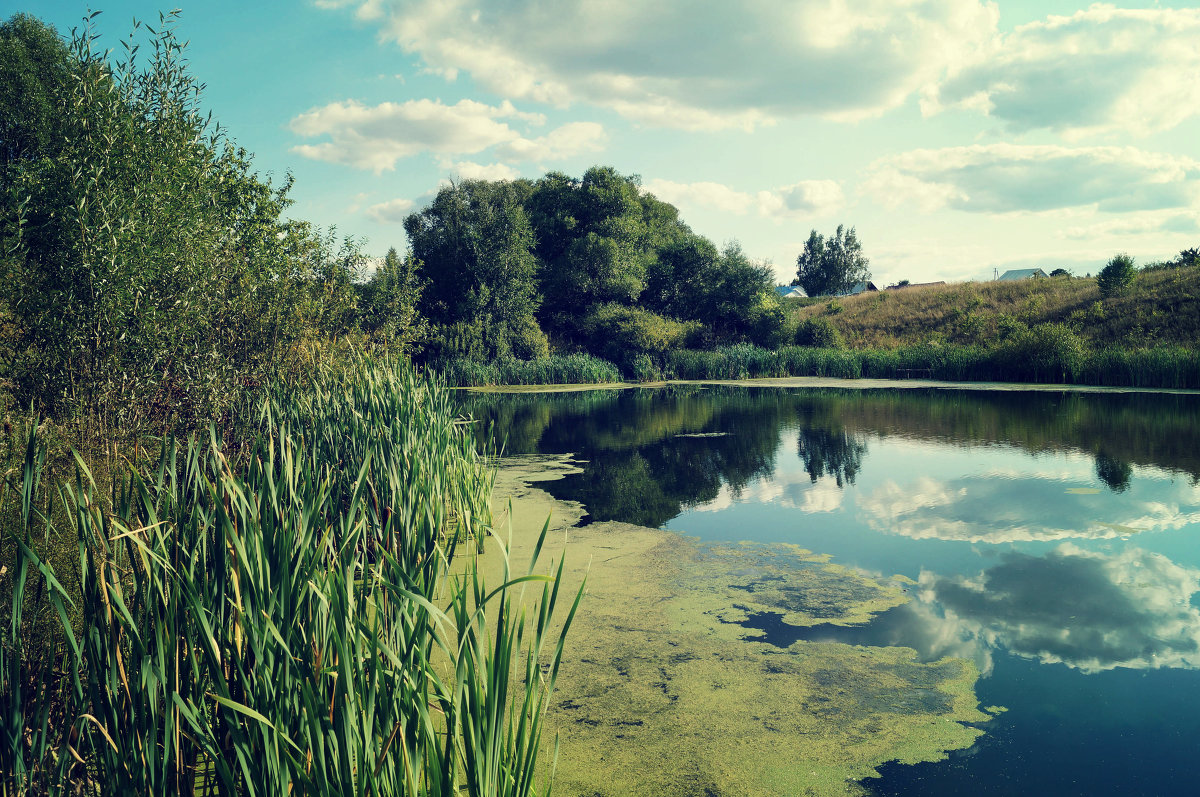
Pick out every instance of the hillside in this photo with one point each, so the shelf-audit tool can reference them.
(1163, 307)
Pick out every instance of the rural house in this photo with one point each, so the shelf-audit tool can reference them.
(1022, 274)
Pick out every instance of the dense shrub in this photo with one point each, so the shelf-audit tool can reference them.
(820, 332)
(621, 333)
(1117, 276)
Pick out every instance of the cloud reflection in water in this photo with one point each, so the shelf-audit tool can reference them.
(1024, 507)
(1089, 611)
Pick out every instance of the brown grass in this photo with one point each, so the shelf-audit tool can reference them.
(1163, 307)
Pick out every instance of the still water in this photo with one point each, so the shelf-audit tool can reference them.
(1054, 539)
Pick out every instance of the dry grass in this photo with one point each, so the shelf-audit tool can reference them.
(1162, 308)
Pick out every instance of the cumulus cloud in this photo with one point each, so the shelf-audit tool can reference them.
(469, 170)
(1099, 70)
(563, 142)
(391, 212)
(375, 137)
(714, 66)
(1005, 178)
(714, 196)
(802, 199)
(1138, 224)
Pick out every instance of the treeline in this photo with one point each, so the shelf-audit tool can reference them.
(150, 274)
(592, 265)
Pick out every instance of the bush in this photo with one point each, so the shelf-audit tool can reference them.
(527, 340)
(1047, 352)
(1117, 276)
(819, 332)
(768, 325)
(621, 333)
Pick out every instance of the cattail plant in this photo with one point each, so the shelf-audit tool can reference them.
(293, 621)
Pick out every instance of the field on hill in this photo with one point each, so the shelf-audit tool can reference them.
(1162, 308)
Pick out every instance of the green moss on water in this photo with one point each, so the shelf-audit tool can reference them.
(661, 693)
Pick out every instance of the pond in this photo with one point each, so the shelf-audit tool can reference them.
(1045, 543)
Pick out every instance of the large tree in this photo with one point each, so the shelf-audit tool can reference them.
(833, 265)
(475, 243)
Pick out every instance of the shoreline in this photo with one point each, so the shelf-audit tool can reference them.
(834, 382)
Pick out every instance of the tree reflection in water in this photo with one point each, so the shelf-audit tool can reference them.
(651, 453)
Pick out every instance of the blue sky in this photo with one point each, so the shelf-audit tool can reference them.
(957, 136)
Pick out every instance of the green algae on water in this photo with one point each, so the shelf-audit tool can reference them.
(662, 693)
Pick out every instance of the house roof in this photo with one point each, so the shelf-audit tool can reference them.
(790, 292)
(860, 287)
(1021, 274)
(914, 285)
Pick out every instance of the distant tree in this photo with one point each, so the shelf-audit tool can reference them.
(1060, 272)
(389, 299)
(1117, 276)
(903, 284)
(831, 265)
(1188, 257)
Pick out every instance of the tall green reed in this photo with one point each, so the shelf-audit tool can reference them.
(291, 623)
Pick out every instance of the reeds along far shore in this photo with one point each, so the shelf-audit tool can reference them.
(285, 622)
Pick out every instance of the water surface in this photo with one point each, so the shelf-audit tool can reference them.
(1051, 538)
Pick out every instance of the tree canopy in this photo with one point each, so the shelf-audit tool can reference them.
(833, 265)
(564, 255)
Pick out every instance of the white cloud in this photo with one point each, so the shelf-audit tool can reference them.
(468, 170)
(1136, 224)
(1099, 70)
(803, 199)
(563, 142)
(702, 194)
(806, 198)
(391, 212)
(679, 65)
(1004, 178)
(375, 137)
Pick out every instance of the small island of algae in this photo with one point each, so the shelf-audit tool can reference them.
(663, 692)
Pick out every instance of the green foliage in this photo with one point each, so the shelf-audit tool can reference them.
(552, 370)
(1060, 272)
(596, 238)
(157, 273)
(388, 303)
(1047, 352)
(474, 241)
(1117, 276)
(622, 333)
(818, 332)
(35, 78)
(831, 265)
(1188, 258)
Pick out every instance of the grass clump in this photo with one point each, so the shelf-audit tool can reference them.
(550, 370)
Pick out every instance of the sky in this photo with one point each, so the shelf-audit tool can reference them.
(957, 137)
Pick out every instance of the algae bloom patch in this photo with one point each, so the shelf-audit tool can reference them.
(664, 692)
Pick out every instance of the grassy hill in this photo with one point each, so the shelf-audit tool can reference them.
(1162, 308)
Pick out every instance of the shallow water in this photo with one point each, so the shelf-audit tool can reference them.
(1050, 538)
